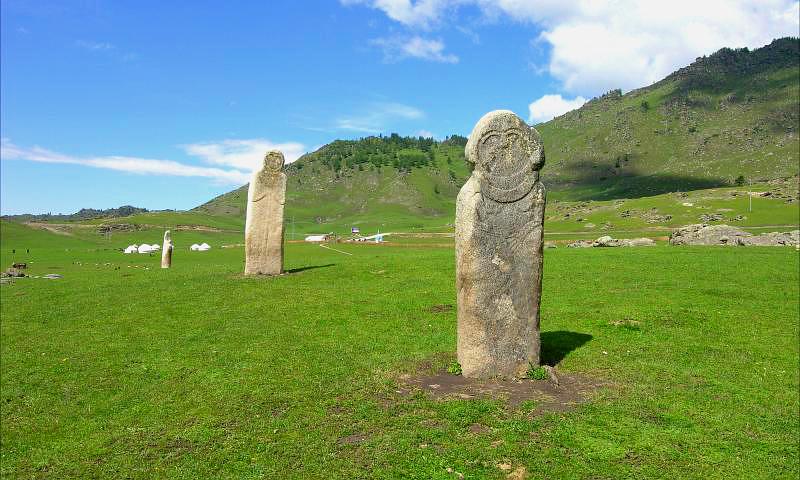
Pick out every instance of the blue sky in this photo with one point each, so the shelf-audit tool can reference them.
(167, 104)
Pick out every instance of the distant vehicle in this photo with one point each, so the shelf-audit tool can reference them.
(355, 230)
(377, 238)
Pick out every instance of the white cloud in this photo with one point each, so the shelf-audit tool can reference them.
(400, 47)
(421, 13)
(376, 117)
(635, 44)
(242, 154)
(551, 106)
(598, 46)
(425, 134)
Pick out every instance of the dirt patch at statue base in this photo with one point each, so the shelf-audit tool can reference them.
(571, 390)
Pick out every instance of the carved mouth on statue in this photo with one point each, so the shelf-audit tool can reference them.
(258, 198)
(510, 188)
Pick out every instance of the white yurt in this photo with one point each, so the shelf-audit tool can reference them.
(204, 246)
(132, 248)
(195, 247)
(145, 248)
(155, 246)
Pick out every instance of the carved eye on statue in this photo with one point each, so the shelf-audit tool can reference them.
(491, 148)
(515, 153)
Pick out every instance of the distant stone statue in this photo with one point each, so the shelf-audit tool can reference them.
(166, 251)
(263, 231)
(499, 241)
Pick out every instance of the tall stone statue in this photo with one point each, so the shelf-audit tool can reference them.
(499, 233)
(166, 251)
(263, 231)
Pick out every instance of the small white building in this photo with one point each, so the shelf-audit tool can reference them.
(145, 248)
(317, 238)
(131, 249)
(200, 248)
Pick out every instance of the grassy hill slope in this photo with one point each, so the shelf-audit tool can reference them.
(730, 114)
(398, 181)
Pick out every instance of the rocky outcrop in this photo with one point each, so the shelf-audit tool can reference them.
(13, 273)
(703, 234)
(119, 227)
(608, 241)
(772, 239)
(580, 244)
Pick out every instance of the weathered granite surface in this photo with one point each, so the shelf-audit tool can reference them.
(499, 239)
(263, 238)
(166, 251)
(772, 239)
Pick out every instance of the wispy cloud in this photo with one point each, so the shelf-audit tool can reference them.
(95, 46)
(376, 116)
(421, 14)
(243, 156)
(106, 48)
(400, 47)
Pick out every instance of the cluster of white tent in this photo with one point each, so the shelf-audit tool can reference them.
(143, 248)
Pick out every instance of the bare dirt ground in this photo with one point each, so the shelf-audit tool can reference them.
(570, 390)
(57, 228)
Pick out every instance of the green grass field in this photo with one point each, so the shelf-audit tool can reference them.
(123, 370)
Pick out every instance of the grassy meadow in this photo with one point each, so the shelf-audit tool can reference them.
(123, 370)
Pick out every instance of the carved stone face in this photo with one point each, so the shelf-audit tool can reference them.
(506, 153)
(503, 152)
(273, 161)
